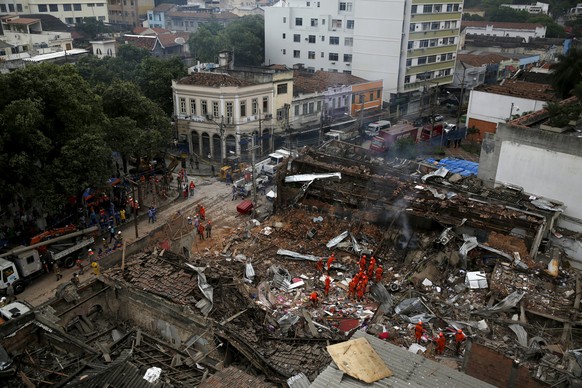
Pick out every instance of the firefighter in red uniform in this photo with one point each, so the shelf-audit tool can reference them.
(327, 285)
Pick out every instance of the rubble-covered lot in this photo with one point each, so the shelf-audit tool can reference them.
(455, 256)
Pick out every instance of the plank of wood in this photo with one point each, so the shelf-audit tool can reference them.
(310, 324)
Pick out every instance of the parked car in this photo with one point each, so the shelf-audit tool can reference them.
(438, 118)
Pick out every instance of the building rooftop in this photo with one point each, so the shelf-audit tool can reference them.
(508, 25)
(49, 22)
(522, 89)
(164, 7)
(306, 82)
(203, 15)
(147, 42)
(150, 31)
(481, 59)
(409, 370)
(213, 80)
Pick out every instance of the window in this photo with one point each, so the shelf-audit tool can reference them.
(336, 23)
(377, 94)
(41, 8)
(215, 111)
(296, 110)
(311, 107)
(229, 110)
(425, 26)
(311, 39)
(322, 54)
(298, 21)
(347, 57)
(296, 38)
(456, 8)
(431, 59)
(255, 106)
(284, 19)
(54, 7)
(318, 106)
(284, 51)
(322, 38)
(284, 35)
(348, 41)
(410, 44)
(192, 106)
(309, 4)
(311, 54)
(100, 5)
(18, 7)
(407, 79)
(90, 4)
(314, 22)
(67, 7)
(3, 8)
(69, 20)
(182, 105)
(304, 109)
(449, 56)
(421, 60)
(449, 8)
(438, 8)
(408, 62)
(345, 7)
(447, 72)
(447, 25)
(413, 9)
(333, 56)
(443, 57)
(435, 26)
(76, 7)
(265, 104)
(281, 89)
(412, 27)
(323, 22)
(433, 42)
(334, 40)
(451, 40)
(350, 24)
(243, 108)
(280, 114)
(204, 107)
(296, 54)
(80, 20)
(427, 8)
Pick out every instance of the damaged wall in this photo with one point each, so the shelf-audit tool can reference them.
(490, 366)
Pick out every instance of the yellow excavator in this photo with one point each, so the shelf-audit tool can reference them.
(231, 165)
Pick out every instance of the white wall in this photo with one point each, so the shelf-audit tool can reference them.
(495, 108)
(548, 173)
(378, 35)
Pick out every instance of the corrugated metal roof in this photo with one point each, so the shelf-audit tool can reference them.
(410, 370)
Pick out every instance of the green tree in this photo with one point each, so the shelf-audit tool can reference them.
(567, 72)
(247, 37)
(506, 14)
(44, 110)
(154, 77)
(206, 42)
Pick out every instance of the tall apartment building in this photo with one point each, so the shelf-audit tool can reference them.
(68, 11)
(129, 13)
(409, 44)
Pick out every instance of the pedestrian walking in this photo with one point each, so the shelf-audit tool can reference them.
(233, 192)
(155, 213)
(111, 233)
(202, 213)
(75, 280)
(122, 215)
(57, 271)
(150, 215)
(189, 220)
(95, 267)
(209, 229)
(117, 217)
(10, 293)
(201, 231)
(192, 187)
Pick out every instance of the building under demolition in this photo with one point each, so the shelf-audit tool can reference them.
(455, 255)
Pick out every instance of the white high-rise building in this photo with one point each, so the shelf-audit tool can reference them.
(410, 44)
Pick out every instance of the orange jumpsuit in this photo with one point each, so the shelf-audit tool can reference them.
(363, 263)
(329, 261)
(459, 338)
(372, 267)
(319, 265)
(313, 298)
(360, 292)
(440, 344)
(327, 285)
(379, 272)
(202, 213)
(418, 330)
(352, 291)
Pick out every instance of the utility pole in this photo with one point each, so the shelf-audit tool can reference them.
(461, 99)
(221, 128)
(252, 149)
(287, 128)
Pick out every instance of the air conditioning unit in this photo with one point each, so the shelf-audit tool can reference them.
(348, 64)
(268, 116)
(333, 63)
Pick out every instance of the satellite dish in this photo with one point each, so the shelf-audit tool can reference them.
(180, 40)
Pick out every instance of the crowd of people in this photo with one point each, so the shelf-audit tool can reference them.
(201, 225)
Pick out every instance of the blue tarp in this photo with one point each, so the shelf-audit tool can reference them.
(457, 166)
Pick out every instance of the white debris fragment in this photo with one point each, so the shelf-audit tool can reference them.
(426, 282)
(152, 374)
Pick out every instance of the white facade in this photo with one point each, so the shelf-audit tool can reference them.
(537, 8)
(527, 31)
(405, 43)
(69, 12)
(28, 34)
(496, 108)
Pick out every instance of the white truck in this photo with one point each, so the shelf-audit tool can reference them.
(275, 161)
(24, 263)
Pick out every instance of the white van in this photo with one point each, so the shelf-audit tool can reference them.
(375, 127)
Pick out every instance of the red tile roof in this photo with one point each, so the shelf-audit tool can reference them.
(481, 59)
(501, 25)
(156, 31)
(523, 89)
(213, 80)
(23, 21)
(164, 7)
(304, 82)
(146, 42)
(233, 377)
(169, 40)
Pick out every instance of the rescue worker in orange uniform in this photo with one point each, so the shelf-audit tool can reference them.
(327, 285)
(202, 213)
(352, 289)
(330, 260)
(360, 290)
(314, 299)
(319, 265)
(363, 264)
(440, 344)
(459, 339)
(379, 272)
(418, 330)
(371, 267)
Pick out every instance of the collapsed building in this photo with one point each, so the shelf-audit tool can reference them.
(455, 254)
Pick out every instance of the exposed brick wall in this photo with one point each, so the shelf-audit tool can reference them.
(494, 368)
